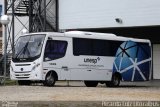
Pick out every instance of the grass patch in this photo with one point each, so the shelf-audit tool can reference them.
(10, 82)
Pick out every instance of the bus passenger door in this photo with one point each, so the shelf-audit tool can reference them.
(65, 73)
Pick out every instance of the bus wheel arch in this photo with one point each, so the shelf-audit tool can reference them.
(50, 78)
(115, 82)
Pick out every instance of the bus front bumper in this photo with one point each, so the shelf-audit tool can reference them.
(28, 75)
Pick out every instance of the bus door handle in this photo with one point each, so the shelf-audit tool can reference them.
(65, 68)
(89, 70)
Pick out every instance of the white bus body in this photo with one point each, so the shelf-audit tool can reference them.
(86, 56)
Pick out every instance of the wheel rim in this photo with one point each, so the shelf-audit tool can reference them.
(115, 80)
(50, 79)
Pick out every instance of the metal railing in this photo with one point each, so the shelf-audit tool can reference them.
(2, 77)
(19, 5)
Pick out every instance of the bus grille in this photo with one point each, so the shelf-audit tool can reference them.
(22, 75)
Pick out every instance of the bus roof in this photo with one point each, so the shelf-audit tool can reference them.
(105, 36)
(92, 35)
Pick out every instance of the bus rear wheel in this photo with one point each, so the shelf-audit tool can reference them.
(24, 82)
(114, 82)
(50, 79)
(91, 83)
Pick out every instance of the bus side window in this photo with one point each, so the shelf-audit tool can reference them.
(82, 46)
(55, 49)
(95, 47)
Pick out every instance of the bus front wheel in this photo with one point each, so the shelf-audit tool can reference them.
(114, 82)
(50, 79)
(91, 83)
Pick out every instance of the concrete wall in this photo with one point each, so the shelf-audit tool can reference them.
(75, 14)
(156, 61)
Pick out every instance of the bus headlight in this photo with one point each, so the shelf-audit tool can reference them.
(11, 68)
(35, 66)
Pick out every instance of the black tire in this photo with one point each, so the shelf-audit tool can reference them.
(49, 80)
(91, 83)
(24, 82)
(114, 82)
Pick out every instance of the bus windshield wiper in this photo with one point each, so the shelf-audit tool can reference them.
(23, 50)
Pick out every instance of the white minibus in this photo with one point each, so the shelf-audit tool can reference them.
(94, 58)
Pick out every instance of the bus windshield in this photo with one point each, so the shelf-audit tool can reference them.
(28, 48)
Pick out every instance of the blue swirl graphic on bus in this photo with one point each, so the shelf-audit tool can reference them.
(133, 61)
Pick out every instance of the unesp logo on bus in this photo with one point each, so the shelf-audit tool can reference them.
(91, 60)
